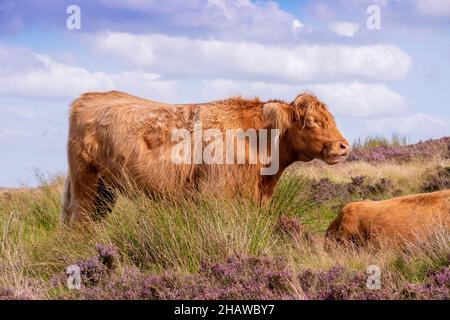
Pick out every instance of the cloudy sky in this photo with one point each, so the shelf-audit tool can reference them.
(395, 79)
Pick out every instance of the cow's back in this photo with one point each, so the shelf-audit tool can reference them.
(404, 218)
(113, 112)
(114, 132)
(122, 135)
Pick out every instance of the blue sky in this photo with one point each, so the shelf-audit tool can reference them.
(392, 80)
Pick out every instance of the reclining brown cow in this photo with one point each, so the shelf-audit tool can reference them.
(408, 219)
(117, 140)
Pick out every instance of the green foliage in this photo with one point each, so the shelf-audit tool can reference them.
(158, 235)
(380, 141)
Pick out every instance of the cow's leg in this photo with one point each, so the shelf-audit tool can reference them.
(81, 186)
(104, 201)
(87, 196)
(67, 201)
(263, 192)
(266, 187)
(334, 228)
(84, 193)
(267, 193)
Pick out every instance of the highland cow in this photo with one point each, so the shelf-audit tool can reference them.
(117, 140)
(398, 221)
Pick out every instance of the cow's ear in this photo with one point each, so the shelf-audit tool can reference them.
(279, 115)
(302, 105)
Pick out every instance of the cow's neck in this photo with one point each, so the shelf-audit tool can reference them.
(287, 157)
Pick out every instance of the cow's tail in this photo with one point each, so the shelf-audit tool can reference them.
(67, 203)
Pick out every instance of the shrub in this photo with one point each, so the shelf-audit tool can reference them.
(379, 141)
(324, 190)
(209, 247)
(291, 227)
(399, 154)
(438, 180)
(239, 277)
(243, 277)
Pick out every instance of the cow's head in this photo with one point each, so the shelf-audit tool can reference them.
(309, 129)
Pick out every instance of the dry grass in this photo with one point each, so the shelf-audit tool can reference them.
(407, 177)
(156, 235)
(380, 141)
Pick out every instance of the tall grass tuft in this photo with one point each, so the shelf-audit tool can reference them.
(380, 141)
(162, 233)
(180, 236)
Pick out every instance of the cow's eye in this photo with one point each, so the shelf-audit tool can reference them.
(311, 122)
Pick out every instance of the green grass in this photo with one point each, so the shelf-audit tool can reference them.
(156, 235)
(380, 141)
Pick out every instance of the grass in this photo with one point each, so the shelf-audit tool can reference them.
(156, 235)
(176, 238)
(380, 141)
(407, 177)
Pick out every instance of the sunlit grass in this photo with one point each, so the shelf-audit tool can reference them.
(157, 235)
(380, 141)
(407, 177)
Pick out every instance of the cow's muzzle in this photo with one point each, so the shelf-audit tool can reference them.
(338, 152)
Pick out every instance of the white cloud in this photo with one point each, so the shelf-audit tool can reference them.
(433, 7)
(381, 3)
(185, 57)
(362, 109)
(24, 113)
(323, 11)
(413, 124)
(152, 5)
(41, 76)
(357, 100)
(205, 73)
(262, 21)
(53, 132)
(343, 28)
(361, 100)
(299, 28)
(8, 132)
(222, 88)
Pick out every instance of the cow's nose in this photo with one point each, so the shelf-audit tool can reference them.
(344, 147)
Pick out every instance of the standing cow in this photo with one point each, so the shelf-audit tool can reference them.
(117, 140)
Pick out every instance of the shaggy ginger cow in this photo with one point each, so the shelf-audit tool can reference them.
(397, 221)
(117, 140)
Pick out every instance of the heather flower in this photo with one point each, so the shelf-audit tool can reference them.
(324, 190)
(442, 278)
(383, 186)
(279, 280)
(238, 278)
(92, 271)
(255, 278)
(358, 180)
(334, 273)
(107, 255)
(291, 227)
(437, 286)
(438, 180)
(7, 294)
(399, 154)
